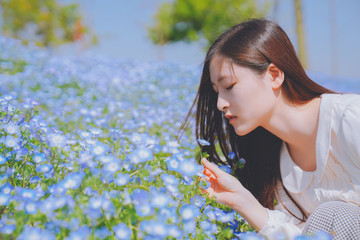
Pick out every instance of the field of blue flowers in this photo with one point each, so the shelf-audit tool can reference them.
(88, 150)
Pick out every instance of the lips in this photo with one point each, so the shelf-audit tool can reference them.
(231, 118)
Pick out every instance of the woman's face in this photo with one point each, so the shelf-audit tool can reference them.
(245, 98)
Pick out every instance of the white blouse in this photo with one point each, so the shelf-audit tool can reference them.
(337, 174)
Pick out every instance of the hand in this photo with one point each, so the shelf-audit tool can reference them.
(229, 191)
(226, 188)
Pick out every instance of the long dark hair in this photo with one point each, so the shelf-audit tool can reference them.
(253, 44)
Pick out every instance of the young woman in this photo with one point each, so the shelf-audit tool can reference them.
(301, 141)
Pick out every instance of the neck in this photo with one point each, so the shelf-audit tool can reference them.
(295, 125)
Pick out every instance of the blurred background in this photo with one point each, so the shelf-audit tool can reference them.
(326, 33)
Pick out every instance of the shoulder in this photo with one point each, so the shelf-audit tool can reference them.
(340, 99)
(345, 124)
(341, 107)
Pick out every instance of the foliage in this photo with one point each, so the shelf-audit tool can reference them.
(44, 21)
(187, 20)
(88, 151)
(90, 159)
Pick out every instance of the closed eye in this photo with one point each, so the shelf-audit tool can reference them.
(229, 88)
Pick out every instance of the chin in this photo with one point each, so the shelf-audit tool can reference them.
(243, 131)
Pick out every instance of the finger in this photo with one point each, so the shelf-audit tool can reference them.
(206, 178)
(211, 193)
(212, 167)
(208, 173)
(205, 191)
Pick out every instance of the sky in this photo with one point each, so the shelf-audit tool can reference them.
(332, 32)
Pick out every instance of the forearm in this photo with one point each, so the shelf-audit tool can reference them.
(250, 209)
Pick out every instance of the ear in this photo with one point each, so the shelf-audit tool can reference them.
(276, 76)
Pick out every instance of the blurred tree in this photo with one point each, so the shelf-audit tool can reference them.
(300, 34)
(189, 20)
(43, 21)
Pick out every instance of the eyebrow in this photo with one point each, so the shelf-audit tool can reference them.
(219, 80)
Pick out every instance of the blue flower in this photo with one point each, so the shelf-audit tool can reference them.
(11, 141)
(141, 155)
(174, 231)
(252, 236)
(8, 229)
(90, 192)
(170, 214)
(82, 233)
(189, 168)
(104, 159)
(3, 159)
(95, 131)
(56, 140)
(169, 179)
(122, 179)
(8, 97)
(226, 168)
(59, 202)
(44, 168)
(39, 157)
(46, 206)
(52, 226)
(22, 152)
(102, 232)
(209, 212)
(35, 179)
(173, 144)
(12, 128)
(156, 229)
(95, 202)
(139, 196)
(99, 149)
(198, 201)
(205, 225)
(93, 214)
(173, 164)
(6, 188)
(226, 217)
(72, 180)
(156, 148)
(159, 200)
(112, 166)
(144, 209)
(189, 226)
(122, 231)
(188, 212)
(231, 155)
(35, 233)
(108, 208)
(203, 142)
(4, 199)
(159, 229)
(27, 193)
(30, 207)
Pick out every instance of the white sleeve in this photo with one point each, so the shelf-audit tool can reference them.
(280, 222)
(350, 131)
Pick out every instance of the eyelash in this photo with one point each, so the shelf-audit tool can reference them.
(229, 88)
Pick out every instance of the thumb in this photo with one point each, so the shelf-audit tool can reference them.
(212, 167)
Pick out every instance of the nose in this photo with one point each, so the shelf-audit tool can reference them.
(222, 104)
